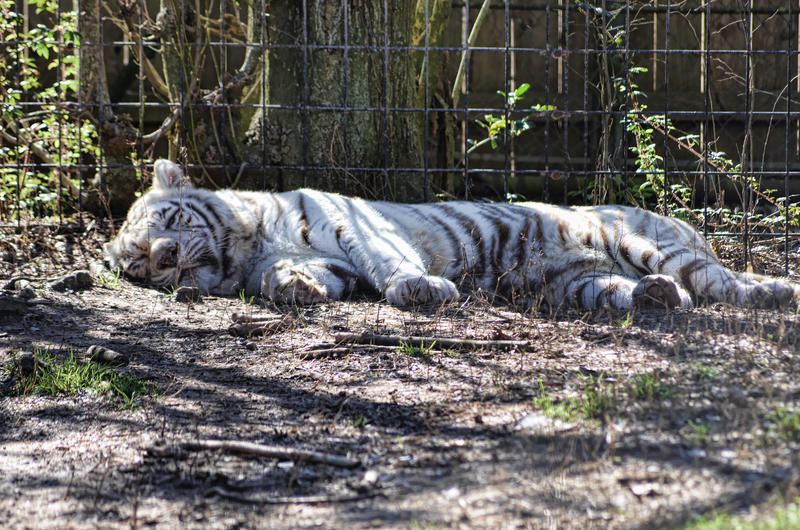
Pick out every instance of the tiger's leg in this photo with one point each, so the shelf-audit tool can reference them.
(307, 282)
(593, 290)
(372, 243)
(704, 276)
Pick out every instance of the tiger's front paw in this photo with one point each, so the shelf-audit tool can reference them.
(421, 290)
(289, 284)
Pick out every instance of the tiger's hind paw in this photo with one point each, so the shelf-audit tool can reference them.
(659, 291)
(421, 290)
(772, 294)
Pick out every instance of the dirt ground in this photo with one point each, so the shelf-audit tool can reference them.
(453, 437)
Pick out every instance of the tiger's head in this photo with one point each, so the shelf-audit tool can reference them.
(175, 234)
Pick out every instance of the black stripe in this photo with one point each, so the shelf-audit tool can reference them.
(452, 239)
(176, 208)
(472, 230)
(668, 257)
(210, 208)
(646, 255)
(524, 241)
(687, 270)
(575, 267)
(304, 220)
(625, 254)
(220, 241)
(499, 237)
(579, 292)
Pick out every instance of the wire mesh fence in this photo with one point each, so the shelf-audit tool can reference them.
(683, 107)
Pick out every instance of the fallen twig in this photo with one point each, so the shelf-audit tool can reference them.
(308, 499)
(442, 342)
(324, 353)
(271, 451)
(261, 327)
(242, 318)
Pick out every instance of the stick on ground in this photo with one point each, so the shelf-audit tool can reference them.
(260, 327)
(272, 451)
(442, 342)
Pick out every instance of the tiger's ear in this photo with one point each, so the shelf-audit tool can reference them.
(168, 174)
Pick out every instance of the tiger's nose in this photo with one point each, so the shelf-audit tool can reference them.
(164, 253)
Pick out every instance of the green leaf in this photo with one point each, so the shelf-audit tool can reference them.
(41, 50)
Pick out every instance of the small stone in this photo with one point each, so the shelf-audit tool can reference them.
(27, 363)
(23, 289)
(697, 453)
(644, 489)
(187, 294)
(12, 306)
(103, 355)
(97, 268)
(370, 477)
(27, 293)
(74, 281)
(250, 345)
(539, 423)
(738, 396)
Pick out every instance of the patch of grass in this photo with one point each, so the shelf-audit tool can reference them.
(562, 410)
(453, 354)
(706, 372)
(787, 423)
(359, 421)
(418, 525)
(699, 432)
(782, 518)
(420, 352)
(244, 298)
(649, 386)
(53, 376)
(598, 397)
(110, 279)
(170, 292)
(625, 322)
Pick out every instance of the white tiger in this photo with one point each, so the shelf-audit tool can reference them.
(307, 246)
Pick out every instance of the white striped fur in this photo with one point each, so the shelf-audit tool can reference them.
(307, 246)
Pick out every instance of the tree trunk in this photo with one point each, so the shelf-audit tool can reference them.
(321, 135)
(115, 181)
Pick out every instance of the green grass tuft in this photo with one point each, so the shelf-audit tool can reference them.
(782, 518)
(649, 386)
(419, 352)
(54, 376)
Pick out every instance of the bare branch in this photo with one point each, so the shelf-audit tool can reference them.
(473, 36)
(442, 342)
(19, 138)
(269, 451)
